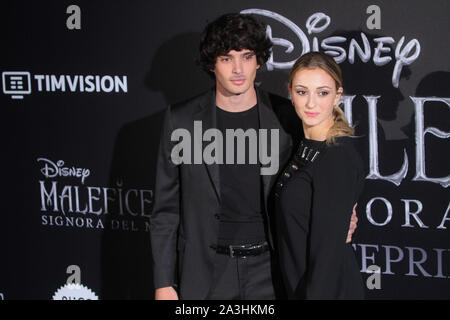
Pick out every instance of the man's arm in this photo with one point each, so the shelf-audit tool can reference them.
(164, 220)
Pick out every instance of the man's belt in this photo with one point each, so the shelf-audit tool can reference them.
(243, 250)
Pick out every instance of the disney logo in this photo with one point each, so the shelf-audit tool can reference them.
(51, 170)
(404, 54)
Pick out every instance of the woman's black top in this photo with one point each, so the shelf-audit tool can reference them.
(315, 196)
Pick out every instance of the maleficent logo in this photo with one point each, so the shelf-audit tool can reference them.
(76, 205)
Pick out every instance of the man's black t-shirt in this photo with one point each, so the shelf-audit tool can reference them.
(241, 219)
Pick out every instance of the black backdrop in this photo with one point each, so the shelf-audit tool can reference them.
(91, 100)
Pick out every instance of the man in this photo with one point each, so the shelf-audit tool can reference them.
(210, 229)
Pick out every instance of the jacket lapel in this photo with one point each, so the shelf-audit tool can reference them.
(268, 120)
(207, 116)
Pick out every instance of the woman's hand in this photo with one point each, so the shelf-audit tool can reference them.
(353, 225)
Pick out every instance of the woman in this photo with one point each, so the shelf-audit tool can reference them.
(317, 190)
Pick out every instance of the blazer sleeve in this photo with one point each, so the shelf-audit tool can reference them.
(292, 239)
(165, 217)
(335, 185)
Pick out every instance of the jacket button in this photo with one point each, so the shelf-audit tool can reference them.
(217, 216)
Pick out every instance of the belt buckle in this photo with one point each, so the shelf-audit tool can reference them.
(231, 251)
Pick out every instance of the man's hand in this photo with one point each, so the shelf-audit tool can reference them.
(166, 293)
(353, 225)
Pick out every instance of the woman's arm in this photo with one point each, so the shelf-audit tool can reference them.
(335, 183)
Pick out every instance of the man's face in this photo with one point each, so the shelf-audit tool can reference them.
(235, 72)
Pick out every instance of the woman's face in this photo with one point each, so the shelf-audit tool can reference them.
(314, 95)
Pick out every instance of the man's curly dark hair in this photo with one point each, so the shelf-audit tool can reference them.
(233, 31)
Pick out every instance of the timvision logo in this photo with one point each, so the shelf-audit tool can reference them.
(18, 83)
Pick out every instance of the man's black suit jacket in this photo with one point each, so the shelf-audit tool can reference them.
(184, 222)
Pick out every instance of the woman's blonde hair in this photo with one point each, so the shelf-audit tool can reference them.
(325, 62)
